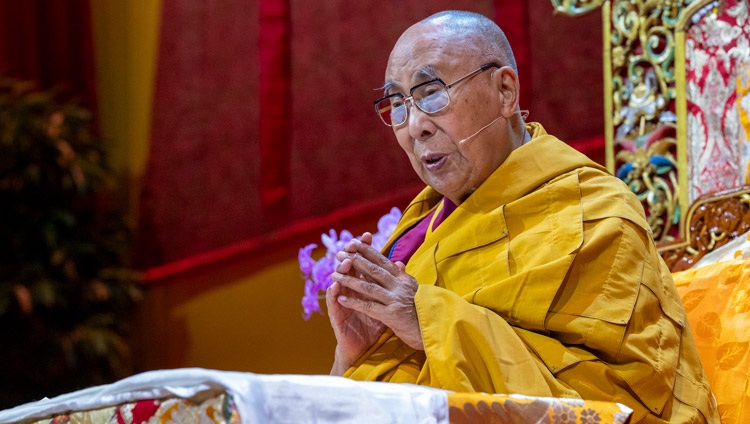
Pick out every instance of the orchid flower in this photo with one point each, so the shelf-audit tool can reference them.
(317, 273)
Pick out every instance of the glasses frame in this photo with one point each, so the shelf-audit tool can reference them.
(408, 101)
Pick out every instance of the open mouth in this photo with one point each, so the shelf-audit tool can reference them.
(433, 161)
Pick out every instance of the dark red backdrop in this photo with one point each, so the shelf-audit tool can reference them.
(262, 113)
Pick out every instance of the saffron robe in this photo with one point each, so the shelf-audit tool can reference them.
(545, 281)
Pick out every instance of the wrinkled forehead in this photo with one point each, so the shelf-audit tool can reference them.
(423, 52)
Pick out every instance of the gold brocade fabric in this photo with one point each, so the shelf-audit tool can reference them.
(469, 408)
(717, 301)
(743, 108)
(214, 410)
(717, 48)
(465, 408)
(546, 282)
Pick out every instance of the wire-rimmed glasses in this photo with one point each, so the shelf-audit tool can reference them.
(429, 96)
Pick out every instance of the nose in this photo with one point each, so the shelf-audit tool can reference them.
(421, 125)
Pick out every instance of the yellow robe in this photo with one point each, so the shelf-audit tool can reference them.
(546, 282)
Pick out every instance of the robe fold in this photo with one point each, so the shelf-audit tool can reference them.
(545, 281)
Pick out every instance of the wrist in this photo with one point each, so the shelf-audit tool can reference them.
(340, 365)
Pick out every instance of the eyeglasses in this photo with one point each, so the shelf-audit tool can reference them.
(430, 97)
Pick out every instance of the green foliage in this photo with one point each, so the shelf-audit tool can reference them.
(66, 292)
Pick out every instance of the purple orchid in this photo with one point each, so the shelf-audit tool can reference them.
(335, 243)
(317, 273)
(310, 300)
(386, 225)
(305, 259)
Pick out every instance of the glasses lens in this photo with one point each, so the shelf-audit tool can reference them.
(431, 98)
(392, 110)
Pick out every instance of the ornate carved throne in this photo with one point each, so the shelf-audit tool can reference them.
(677, 78)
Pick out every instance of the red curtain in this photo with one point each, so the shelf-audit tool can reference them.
(513, 17)
(201, 187)
(262, 116)
(275, 42)
(262, 111)
(263, 119)
(50, 42)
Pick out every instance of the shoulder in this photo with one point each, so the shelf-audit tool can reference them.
(577, 196)
(606, 196)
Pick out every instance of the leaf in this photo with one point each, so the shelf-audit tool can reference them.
(708, 326)
(731, 354)
(692, 298)
(741, 301)
(729, 413)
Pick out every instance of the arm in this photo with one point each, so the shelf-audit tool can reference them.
(588, 345)
(608, 331)
(453, 330)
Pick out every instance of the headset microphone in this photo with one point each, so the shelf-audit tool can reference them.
(478, 131)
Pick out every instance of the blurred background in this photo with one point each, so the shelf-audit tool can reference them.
(162, 161)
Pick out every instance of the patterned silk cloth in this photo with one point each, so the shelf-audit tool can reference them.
(194, 395)
(218, 409)
(468, 408)
(743, 107)
(717, 62)
(717, 300)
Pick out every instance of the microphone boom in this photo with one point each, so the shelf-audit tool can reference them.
(479, 130)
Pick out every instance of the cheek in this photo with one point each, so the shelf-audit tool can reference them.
(403, 139)
(476, 157)
(469, 151)
(407, 146)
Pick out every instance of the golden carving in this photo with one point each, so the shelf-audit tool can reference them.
(712, 221)
(642, 54)
(573, 7)
(640, 46)
(650, 171)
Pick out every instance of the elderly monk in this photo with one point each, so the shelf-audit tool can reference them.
(523, 267)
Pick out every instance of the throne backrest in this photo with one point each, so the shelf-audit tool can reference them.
(677, 104)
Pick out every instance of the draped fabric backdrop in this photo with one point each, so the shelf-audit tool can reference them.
(262, 114)
(262, 119)
(260, 136)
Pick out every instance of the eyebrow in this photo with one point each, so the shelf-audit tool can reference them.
(425, 74)
(386, 88)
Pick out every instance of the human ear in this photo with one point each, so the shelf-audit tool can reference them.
(506, 82)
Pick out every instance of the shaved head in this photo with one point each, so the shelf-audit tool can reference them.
(477, 32)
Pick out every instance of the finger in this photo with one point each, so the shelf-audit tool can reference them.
(350, 247)
(361, 289)
(345, 266)
(367, 307)
(331, 294)
(363, 269)
(373, 255)
(366, 238)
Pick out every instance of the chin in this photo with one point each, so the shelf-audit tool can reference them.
(442, 190)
